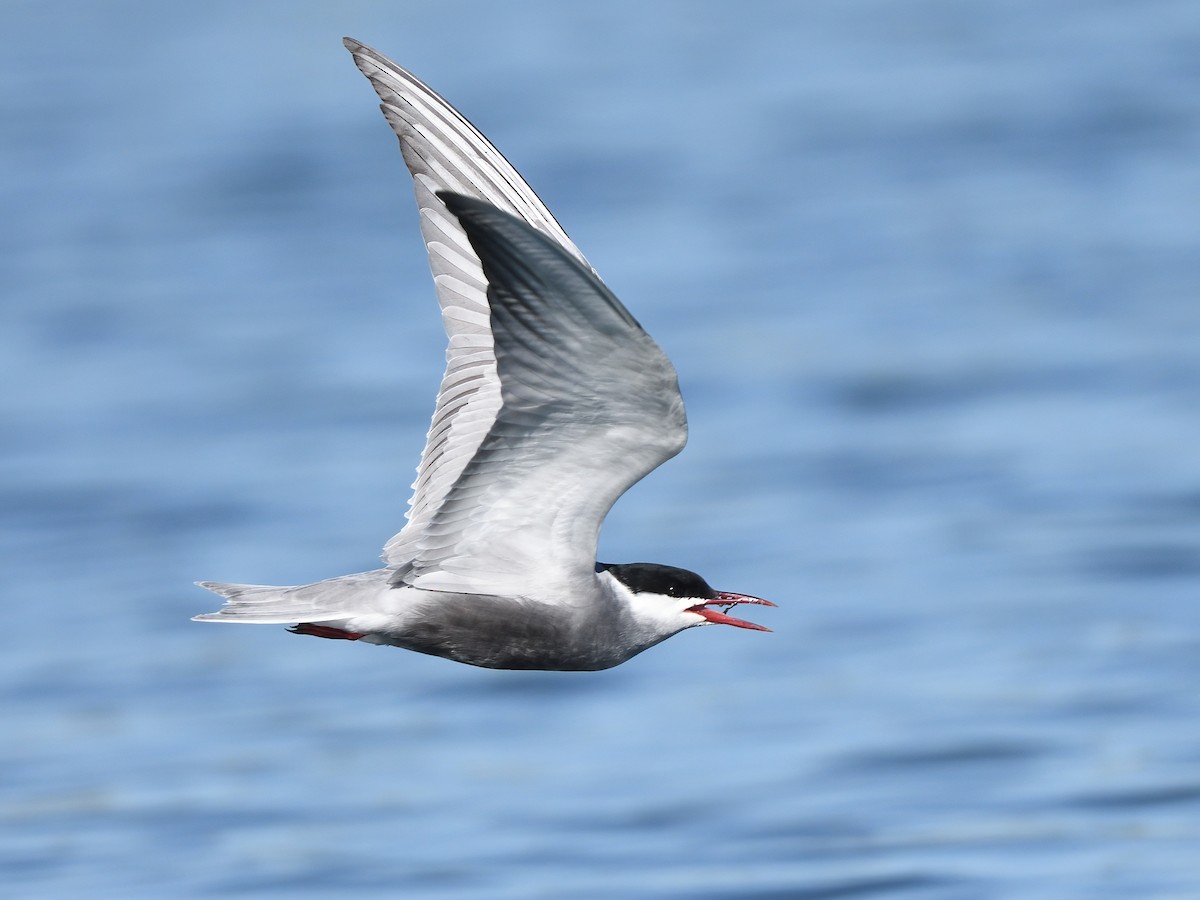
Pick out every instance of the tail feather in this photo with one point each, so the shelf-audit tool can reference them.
(263, 604)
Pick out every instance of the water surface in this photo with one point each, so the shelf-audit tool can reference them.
(929, 275)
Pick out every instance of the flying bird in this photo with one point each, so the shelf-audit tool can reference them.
(554, 402)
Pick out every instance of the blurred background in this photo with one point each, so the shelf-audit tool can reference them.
(929, 274)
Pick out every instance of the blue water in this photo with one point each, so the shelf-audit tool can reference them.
(929, 273)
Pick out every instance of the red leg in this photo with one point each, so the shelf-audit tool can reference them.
(325, 631)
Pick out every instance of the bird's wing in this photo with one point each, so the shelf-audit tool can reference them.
(445, 152)
(590, 404)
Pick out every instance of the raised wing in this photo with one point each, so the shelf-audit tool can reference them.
(445, 152)
(590, 405)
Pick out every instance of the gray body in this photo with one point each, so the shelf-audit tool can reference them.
(496, 632)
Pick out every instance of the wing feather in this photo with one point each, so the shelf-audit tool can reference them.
(443, 152)
(590, 405)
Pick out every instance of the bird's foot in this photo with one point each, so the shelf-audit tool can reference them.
(325, 631)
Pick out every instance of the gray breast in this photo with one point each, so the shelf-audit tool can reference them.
(508, 633)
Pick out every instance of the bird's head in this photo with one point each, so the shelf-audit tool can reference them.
(670, 599)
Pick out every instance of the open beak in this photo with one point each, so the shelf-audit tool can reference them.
(727, 601)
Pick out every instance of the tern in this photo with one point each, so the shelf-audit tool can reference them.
(554, 402)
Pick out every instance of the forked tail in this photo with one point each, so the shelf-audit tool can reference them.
(262, 604)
